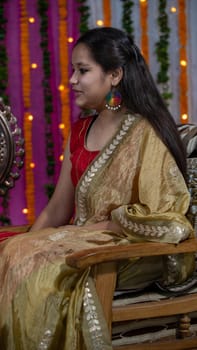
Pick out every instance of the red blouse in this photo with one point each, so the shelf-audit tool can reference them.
(80, 157)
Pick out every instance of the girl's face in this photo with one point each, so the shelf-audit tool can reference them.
(89, 82)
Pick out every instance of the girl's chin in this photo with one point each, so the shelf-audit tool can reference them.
(81, 104)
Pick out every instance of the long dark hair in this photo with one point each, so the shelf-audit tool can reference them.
(112, 48)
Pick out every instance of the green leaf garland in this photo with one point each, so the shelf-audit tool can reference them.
(162, 50)
(127, 23)
(48, 99)
(84, 11)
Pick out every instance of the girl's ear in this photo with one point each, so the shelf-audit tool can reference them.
(117, 75)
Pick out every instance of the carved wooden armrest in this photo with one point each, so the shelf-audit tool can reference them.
(22, 228)
(89, 257)
(11, 149)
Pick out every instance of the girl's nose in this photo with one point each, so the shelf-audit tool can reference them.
(73, 78)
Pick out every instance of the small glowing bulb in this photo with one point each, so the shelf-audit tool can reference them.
(25, 211)
(32, 165)
(61, 126)
(142, 0)
(34, 65)
(70, 39)
(30, 117)
(173, 9)
(184, 116)
(99, 22)
(183, 63)
(61, 87)
(61, 158)
(31, 19)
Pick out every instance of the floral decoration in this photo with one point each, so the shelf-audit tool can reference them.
(183, 57)
(107, 13)
(144, 29)
(27, 124)
(64, 70)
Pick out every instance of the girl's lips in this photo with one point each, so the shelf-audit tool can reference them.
(77, 92)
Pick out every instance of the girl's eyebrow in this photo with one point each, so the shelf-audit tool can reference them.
(81, 64)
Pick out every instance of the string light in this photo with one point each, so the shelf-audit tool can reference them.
(142, 0)
(173, 9)
(25, 211)
(61, 126)
(30, 117)
(61, 87)
(99, 22)
(31, 20)
(34, 65)
(183, 63)
(70, 39)
(61, 158)
(184, 116)
(32, 165)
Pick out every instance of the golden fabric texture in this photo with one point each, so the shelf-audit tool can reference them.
(45, 304)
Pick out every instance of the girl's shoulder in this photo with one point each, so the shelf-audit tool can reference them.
(81, 122)
(79, 130)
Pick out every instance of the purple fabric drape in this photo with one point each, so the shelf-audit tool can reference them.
(12, 11)
(37, 109)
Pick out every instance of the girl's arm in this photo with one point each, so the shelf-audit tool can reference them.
(60, 208)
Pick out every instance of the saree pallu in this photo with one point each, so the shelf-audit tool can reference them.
(134, 181)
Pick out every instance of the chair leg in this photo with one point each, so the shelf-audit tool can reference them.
(183, 330)
(105, 281)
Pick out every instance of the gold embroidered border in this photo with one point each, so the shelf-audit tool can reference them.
(92, 319)
(98, 163)
(152, 231)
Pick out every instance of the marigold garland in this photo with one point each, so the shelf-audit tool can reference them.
(64, 64)
(26, 88)
(107, 13)
(183, 82)
(144, 29)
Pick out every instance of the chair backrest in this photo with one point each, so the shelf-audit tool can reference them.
(188, 133)
(11, 149)
(192, 185)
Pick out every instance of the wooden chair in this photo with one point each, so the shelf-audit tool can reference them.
(180, 309)
(105, 259)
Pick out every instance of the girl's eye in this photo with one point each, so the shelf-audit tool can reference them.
(83, 70)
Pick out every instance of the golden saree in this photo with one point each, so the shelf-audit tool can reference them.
(44, 303)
